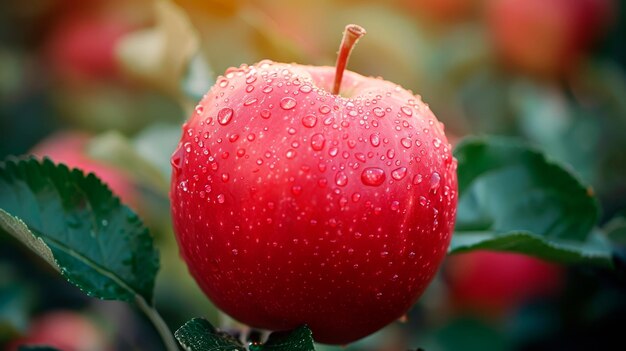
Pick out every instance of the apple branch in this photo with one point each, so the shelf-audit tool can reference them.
(351, 35)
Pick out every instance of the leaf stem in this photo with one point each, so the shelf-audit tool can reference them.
(159, 324)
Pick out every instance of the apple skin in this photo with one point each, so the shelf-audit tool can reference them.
(65, 330)
(494, 283)
(546, 37)
(272, 211)
(69, 148)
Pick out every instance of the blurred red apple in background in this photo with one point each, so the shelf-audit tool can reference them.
(546, 37)
(81, 44)
(70, 148)
(493, 283)
(64, 330)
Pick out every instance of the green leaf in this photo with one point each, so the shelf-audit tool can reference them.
(299, 339)
(513, 198)
(199, 335)
(78, 226)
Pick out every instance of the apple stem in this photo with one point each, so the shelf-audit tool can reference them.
(351, 35)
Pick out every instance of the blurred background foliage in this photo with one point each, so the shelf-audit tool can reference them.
(104, 85)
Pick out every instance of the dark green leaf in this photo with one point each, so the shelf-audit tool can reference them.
(299, 339)
(513, 198)
(199, 335)
(37, 348)
(78, 226)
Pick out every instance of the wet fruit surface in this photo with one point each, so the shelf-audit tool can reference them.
(295, 206)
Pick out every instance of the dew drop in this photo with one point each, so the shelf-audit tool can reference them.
(356, 197)
(341, 179)
(220, 198)
(373, 176)
(399, 173)
(395, 205)
(406, 110)
(378, 112)
(406, 142)
(296, 190)
(306, 89)
(324, 109)
(250, 102)
(435, 179)
(317, 142)
(265, 114)
(436, 143)
(177, 159)
(423, 201)
(290, 153)
(417, 179)
(375, 139)
(287, 103)
(309, 121)
(225, 115)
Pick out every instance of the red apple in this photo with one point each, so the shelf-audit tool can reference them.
(70, 148)
(65, 330)
(494, 283)
(82, 45)
(299, 198)
(546, 37)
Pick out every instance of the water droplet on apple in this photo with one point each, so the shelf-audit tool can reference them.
(375, 139)
(287, 103)
(225, 115)
(266, 114)
(378, 112)
(296, 190)
(220, 198)
(435, 180)
(317, 141)
(324, 109)
(373, 176)
(398, 173)
(406, 142)
(309, 121)
(423, 201)
(417, 179)
(290, 153)
(395, 205)
(341, 179)
(406, 110)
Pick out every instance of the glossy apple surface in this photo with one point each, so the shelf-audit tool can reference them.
(494, 283)
(295, 206)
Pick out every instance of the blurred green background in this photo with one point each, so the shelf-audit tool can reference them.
(105, 85)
